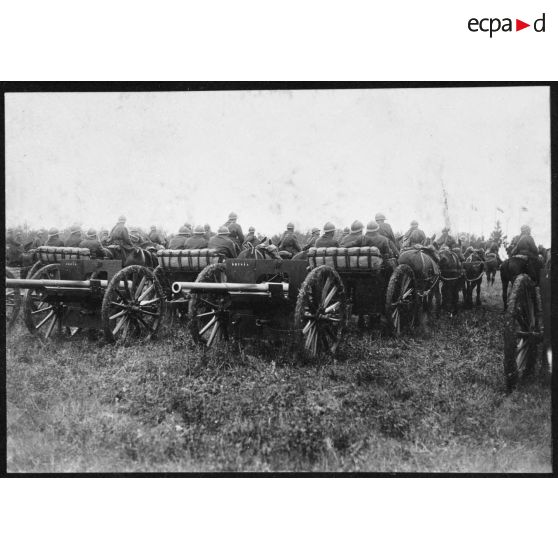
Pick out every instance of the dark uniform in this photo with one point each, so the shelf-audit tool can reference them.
(208, 233)
(354, 238)
(198, 241)
(54, 238)
(374, 238)
(14, 250)
(178, 242)
(74, 239)
(413, 236)
(223, 244)
(120, 235)
(251, 236)
(447, 239)
(526, 246)
(289, 242)
(90, 241)
(312, 240)
(156, 237)
(235, 230)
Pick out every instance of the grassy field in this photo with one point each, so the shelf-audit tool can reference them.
(433, 402)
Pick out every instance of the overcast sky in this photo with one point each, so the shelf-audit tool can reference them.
(277, 156)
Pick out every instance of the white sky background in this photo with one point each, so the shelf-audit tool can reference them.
(276, 156)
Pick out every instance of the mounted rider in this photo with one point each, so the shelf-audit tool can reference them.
(413, 236)
(119, 235)
(354, 239)
(289, 242)
(315, 234)
(327, 240)
(223, 243)
(446, 239)
(527, 249)
(387, 231)
(235, 230)
(198, 241)
(251, 236)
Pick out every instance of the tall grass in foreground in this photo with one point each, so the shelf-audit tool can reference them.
(434, 401)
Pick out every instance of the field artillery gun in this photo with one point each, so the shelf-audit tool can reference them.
(71, 291)
(263, 298)
(373, 286)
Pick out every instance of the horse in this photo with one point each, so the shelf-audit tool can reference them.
(451, 274)
(513, 267)
(473, 267)
(491, 266)
(427, 275)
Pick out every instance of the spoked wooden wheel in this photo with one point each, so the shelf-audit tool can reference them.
(13, 302)
(522, 331)
(133, 305)
(321, 312)
(43, 314)
(401, 300)
(209, 312)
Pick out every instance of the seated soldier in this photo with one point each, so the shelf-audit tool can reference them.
(346, 231)
(354, 239)
(327, 240)
(75, 236)
(103, 237)
(178, 242)
(386, 230)
(374, 238)
(289, 242)
(208, 233)
(222, 243)
(198, 241)
(526, 246)
(235, 230)
(54, 238)
(92, 242)
(312, 240)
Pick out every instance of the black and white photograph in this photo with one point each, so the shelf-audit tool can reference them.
(278, 279)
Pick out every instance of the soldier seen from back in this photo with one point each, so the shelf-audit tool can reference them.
(156, 236)
(446, 239)
(315, 234)
(527, 247)
(208, 233)
(54, 238)
(223, 243)
(75, 236)
(14, 247)
(197, 241)
(178, 242)
(92, 243)
(413, 236)
(354, 239)
(235, 230)
(327, 240)
(289, 242)
(119, 235)
(387, 231)
(374, 238)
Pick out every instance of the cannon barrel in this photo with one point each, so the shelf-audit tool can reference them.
(54, 284)
(234, 287)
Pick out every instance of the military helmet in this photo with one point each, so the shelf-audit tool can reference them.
(414, 223)
(372, 226)
(329, 227)
(187, 225)
(525, 229)
(75, 228)
(380, 217)
(252, 229)
(233, 216)
(224, 230)
(53, 231)
(91, 233)
(121, 219)
(357, 226)
(315, 230)
(290, 226)
(182, 230)
(199, 229)
(207, 227)
(346, 230)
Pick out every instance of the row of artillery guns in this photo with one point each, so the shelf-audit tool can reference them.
(309, 300)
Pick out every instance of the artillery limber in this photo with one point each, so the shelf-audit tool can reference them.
(73, 290)
(259, 299)
(373, 286)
